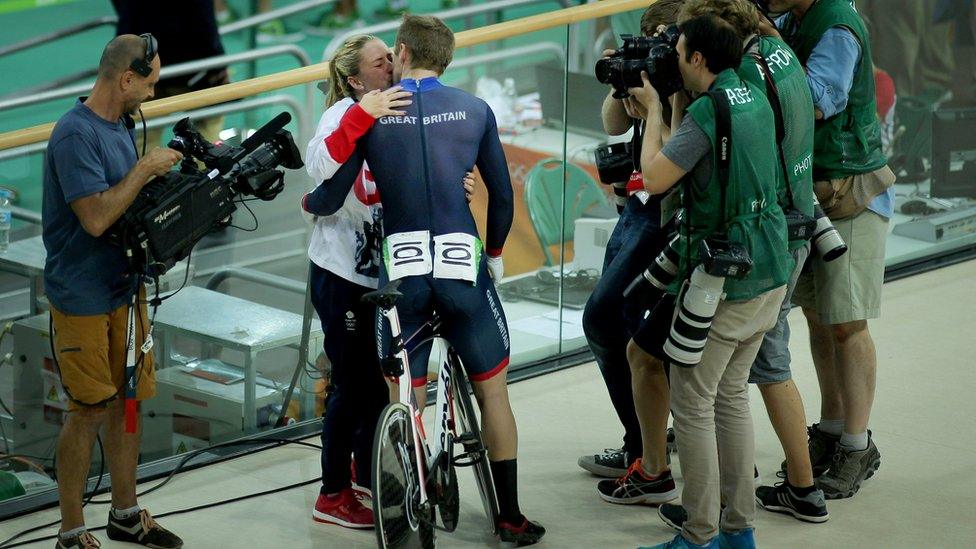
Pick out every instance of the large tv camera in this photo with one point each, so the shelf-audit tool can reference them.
(172, 213)
(655, 54)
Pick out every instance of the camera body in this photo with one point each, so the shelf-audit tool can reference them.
(173, 212)
(614, 162)
(799, 226)
(724, 258)
(655, 54)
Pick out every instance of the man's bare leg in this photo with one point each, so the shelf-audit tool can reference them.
(785, 409)
(651, 402)
(822, 349)
(122, 450)
(74, 461)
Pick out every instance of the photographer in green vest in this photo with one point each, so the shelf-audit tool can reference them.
(733, 266)
(770, 65)
(852, 182)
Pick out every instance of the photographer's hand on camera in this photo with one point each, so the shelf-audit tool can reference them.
(378, 103)
(158, 162)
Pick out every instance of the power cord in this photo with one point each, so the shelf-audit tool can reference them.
(6, 544)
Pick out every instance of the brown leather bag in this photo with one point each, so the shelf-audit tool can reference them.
(849, 196)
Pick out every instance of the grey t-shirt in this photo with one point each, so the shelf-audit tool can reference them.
(690, 149)
(86, 154)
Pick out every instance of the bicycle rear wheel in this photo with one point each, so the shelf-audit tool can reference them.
(397, 512)
(469, 435)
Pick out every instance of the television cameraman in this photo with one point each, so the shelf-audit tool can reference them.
(853, 183)
(733, 264)
(609, 320)
(91, 176)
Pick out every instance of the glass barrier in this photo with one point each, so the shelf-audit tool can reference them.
(227, 343)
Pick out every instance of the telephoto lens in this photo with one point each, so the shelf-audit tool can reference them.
(689, 329)
(651, 284)
(826, 239)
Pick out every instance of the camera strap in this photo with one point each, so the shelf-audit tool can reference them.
(723, 142)
(772, 94)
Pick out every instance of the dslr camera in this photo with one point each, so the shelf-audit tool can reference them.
(172, 213)
(614, 162)
(654, 54)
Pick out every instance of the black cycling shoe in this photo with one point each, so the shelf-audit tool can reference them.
(526, 533)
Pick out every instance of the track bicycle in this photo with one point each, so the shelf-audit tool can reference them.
(414, 478)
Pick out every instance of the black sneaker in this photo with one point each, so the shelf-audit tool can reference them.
(782, 499)
(848, 470)
(83, 540)
(636, 487)
(673, 515)
(821, 446)
(142, 529)
(526, 533)
(612, 463)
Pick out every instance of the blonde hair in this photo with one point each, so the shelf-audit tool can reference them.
(345, 63)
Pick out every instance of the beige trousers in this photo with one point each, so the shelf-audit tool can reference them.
(712, 422)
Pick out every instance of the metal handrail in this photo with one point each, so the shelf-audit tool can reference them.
(259, 277)
(518, 51)
(261, 18)
(58, 34)
(216, 110)
(174, 70)
(455, 13)
(24, 214)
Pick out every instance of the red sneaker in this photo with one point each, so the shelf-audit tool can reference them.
(343, 509)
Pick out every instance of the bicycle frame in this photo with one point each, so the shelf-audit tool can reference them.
(427, 458)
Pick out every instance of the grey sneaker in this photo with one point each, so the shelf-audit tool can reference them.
(822, 447)
(782, 498)
(612, 463)
(848, 470)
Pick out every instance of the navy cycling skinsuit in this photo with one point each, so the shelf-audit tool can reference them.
(417, 161)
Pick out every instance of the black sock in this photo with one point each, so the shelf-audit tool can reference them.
(802, 491)
(504, 473)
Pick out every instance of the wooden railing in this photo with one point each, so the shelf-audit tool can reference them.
(311, 73)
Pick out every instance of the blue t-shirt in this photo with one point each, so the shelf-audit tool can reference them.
(86, 154)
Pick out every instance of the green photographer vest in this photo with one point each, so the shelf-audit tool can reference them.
(848, 143)
(752, 215)
(795, 104)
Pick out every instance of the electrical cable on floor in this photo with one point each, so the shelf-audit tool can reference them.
(179, 466)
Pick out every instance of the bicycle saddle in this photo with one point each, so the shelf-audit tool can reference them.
(386, 296)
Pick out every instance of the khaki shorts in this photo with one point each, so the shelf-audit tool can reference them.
(91, 356)
(848, 288)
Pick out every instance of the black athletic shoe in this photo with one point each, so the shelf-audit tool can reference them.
(782, 499)
(848, 470)
(673, 515)
(612, 463)
(142, 529)
(526, 533)
(636, 487)
(822, 447)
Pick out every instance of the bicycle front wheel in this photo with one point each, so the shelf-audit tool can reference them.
(396, 484)
(469, 435)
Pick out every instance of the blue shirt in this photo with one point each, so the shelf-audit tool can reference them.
(86, 154)
(830, 72)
